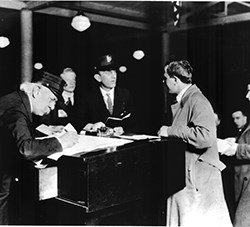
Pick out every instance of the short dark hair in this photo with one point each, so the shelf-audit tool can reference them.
(181, 69)
(244, 109)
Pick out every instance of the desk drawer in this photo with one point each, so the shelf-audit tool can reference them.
(107, 180)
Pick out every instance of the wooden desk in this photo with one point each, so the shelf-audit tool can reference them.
(126, 185)
(108, 182)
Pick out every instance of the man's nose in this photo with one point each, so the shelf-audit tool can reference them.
(247, 95)
(52, 105)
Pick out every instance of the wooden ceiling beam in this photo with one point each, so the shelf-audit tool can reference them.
(244, 4)
(199, 9)
(16, 5)
(104, 9)
(96, 18)
(223, 20)
(36, 5)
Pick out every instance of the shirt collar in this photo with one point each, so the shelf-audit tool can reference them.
(67, 95)
(31, 106)
(111, 92)
(180, 95)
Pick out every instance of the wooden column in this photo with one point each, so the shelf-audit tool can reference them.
(165, 47)
(26, 45)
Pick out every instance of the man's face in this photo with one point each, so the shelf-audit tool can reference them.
(170, 83)
(248, 92)
(108, 78)
(239, 119)
(44, 101)
(70, 79)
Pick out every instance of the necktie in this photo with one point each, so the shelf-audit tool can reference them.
(69, 103)
(110, 105)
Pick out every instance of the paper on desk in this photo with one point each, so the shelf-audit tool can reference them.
(138, 137)
(44, 129)
(90, 143)
(48, 130)
(222, 145)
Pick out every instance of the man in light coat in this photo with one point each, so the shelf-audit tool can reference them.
(201, 202)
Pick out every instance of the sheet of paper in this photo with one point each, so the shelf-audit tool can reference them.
(44, 129)
(48, 130)
(90, 143)
(223, 145)
(138, 137)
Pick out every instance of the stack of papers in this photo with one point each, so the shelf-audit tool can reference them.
(90, 143)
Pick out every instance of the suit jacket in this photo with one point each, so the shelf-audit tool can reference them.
(18, 144)
(203, 196)
(16, 125)
(93, 108)
(242, 179)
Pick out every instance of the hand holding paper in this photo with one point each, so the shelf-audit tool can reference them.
(68, 139)
(226, 147)
(67, 135)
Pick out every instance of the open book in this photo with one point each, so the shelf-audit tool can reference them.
(116, 121)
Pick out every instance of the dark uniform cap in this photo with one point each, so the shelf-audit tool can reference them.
(105, 62)
(54, 83)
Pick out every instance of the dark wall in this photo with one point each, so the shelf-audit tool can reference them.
(220, 58)
(10, 55)
(57, 45)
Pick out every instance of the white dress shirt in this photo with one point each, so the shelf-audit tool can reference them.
(105, 97)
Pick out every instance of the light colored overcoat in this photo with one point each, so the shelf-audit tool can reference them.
(201, 202)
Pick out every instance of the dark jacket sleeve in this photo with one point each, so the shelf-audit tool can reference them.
(23, 133)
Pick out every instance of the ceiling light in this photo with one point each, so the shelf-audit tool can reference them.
(80, 22)
(138, 54)
(123, 69)
(4, 42)
(38, 65)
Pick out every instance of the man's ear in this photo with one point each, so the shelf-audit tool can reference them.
(36, 91)
(175, 78)
(97, 77)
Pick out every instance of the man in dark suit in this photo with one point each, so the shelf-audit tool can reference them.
(64, 109)
(105, 100)
(19, 141)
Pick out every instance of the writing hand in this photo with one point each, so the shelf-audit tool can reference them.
(68, 139)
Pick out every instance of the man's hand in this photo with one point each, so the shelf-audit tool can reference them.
(94, 127)
(68, 139)
(118, 131)
(56, 128)
(163, 131)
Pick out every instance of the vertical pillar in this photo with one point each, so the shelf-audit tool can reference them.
(165, 57)
(165, 47)
(26, 45)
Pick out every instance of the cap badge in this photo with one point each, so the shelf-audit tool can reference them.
(109, 58)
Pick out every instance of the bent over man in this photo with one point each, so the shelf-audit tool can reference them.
(18, 135)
